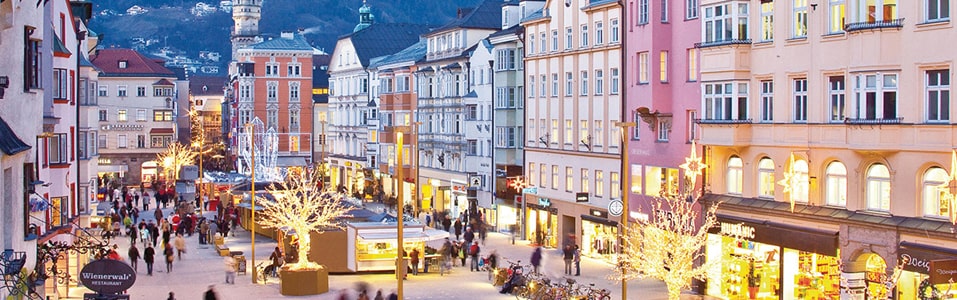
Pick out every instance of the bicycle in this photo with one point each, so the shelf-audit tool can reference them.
(263, 272)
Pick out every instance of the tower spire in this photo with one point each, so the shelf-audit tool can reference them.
(365, 17)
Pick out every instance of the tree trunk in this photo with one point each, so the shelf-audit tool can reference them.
(303, 248)
(674, 292)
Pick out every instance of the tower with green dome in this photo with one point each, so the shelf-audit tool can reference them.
(365, 17)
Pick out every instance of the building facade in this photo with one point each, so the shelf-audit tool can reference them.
(572, 146)
(815, 136)
(136, 98)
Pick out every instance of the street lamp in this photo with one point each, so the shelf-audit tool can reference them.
(625, 175)
(400, 261)
(252, 196)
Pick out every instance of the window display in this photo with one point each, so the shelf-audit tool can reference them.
(817, 276)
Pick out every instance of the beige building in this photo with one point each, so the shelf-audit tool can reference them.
(828, 123)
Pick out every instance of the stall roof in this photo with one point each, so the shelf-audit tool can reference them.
(389, 236)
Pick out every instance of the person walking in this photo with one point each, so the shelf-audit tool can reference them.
(134, 256)
(537, 259)
(168, 252)
(447, 223)
(210, 294)
(446, 259)
(492, 263)
(578, 261)
(276, 258)
(474, 253)
(146, 202)
(414, 259)
(180, 244)
(158, 214)
(230, 264)
(171, 296)
(378, 295)
(469, 235)
(458, 229)
(568, 254)
(203, 231)
(148, 255)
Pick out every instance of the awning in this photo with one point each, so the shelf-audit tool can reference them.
(291, 161)
(598, 220)
(161, 131)
(10, 143)
(389, 236)
(435, 234)
(113, 168)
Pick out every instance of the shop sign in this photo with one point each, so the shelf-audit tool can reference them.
(121, 127)
(737, 230)
(545, 202)
(107, 276)
(581, 197)
(943, 271)
(598, 213)
(918, 258)
(915, 262)
(530, 190)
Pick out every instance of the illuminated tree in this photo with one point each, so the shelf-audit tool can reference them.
(303, 207)
(175, 157)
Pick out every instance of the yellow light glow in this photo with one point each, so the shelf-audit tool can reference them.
(693, 166)
(788, 182)
(950, 188)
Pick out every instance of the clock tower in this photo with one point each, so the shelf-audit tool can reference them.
(246, 16)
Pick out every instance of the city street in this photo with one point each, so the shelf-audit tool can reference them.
(201, 267)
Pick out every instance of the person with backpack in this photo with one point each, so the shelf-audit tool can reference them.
(474, 252)
(463, 249)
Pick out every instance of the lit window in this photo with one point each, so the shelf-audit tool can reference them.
(878, 188)
(936, 203)
(836, 189)
(766, 178)
(735, 176)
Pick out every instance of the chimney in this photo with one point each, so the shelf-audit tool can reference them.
(287, 35)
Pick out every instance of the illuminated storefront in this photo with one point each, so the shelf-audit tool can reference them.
(926, 269)
(541, 223)
(766, 260)
(599, 235)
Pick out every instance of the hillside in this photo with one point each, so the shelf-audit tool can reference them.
(184, 30)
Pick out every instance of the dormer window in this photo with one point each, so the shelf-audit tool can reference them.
(122, 64)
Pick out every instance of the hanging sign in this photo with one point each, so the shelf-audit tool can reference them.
(107, 276)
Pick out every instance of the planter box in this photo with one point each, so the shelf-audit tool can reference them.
(303, 282)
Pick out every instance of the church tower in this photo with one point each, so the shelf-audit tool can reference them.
(365, 17)
(246, 16)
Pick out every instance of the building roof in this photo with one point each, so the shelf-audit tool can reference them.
(287, 41)
(413, 53)
(535, 15)
(594, 3)
(383, 39)
(487, 15)
(10, 143)
(137, 65)
(164, 82)
(59, 47)
(207, 85)
(508, 31)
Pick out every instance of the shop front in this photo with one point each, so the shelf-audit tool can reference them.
(541, 222)
(768, 260)
(927, 269)
(599, 236)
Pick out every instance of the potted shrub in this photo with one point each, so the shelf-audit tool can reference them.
(754, 281)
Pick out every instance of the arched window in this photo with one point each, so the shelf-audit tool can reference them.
(766, 178)
(935, 204)
(735, 175)
(801, 181)
(836, 189)
(878, 188)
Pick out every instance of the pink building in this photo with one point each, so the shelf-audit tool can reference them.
(663, 95)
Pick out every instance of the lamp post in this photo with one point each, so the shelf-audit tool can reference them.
(624, 197)
(400, 260)
(252, 197)
(415, 192)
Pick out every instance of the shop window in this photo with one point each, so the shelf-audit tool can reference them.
(801, 182)
(766, 178)
(749, 270)
(635, 179)
(936, 204)
(836, 189)
(735, 175)
(661, 182)
(878, 188)
(817, 276)
(876, 274)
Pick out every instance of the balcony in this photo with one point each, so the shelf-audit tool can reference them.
(723, 43)
(858, 26)
(869, 135)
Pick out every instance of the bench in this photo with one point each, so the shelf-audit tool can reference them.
(223, 250)
(218, 240)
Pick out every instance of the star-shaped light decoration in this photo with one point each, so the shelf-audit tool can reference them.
(693, 166)
(789, 181)
(518, 183)
(950, 188)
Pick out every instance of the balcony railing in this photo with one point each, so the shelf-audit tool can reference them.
(886, 121)
(722, 121)
(723, 43)
(895, 23)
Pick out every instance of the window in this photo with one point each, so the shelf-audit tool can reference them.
(801, 181)
(800, 19)
(800, 100)
(542, 177)
(569, 83)
(140, 141)
(643, 72)
(272, 69)
(568, 132)
(692, 64)
(615, 185)
(364, 85)
(766, 178)
(541, 48)
(937, 10)
(599, 183)
(835, 91)
(692, 125)
(554, 134)
(664, 129)
(531, 43)
(542, 89)
(691, 9)
(162, 91)
(554, 40)
(121, 115)
(722, 25)
(102, 91)
(936, 202)
(162, 115)
(141, 91)
(614, 30)
(554, 85)
(272, 118)
(57, 149)
(663, 66)
(568, 38)
(767, 101)
(874, 11)
(531, 174)
(32, 62)
(506, 137)
(720, 102)
(61, 84)
(569, 179)
(598, 139)
(614, 81)
(661, 181)
(471, 147)
(938, 96)
(876, 100)
(599, 33)
(637, 129)
(160, 141)
(121, 91)
(531, 86)
(294, 120)
(878, 188)
(505, 59)
(836, 13)
(599, 82)
(293, 70)
(735, 178)
(642, 12)
(272, 91)
(636, 179)
(767, 21)
(103, 114)
(294, 92)
(402, 83)
(583, 83)
(471, 111)
(584, 36)
(836, 189)
(121, 141)
(554, 177)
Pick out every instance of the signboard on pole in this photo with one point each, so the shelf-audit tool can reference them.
(107, 276)
(530, 190)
